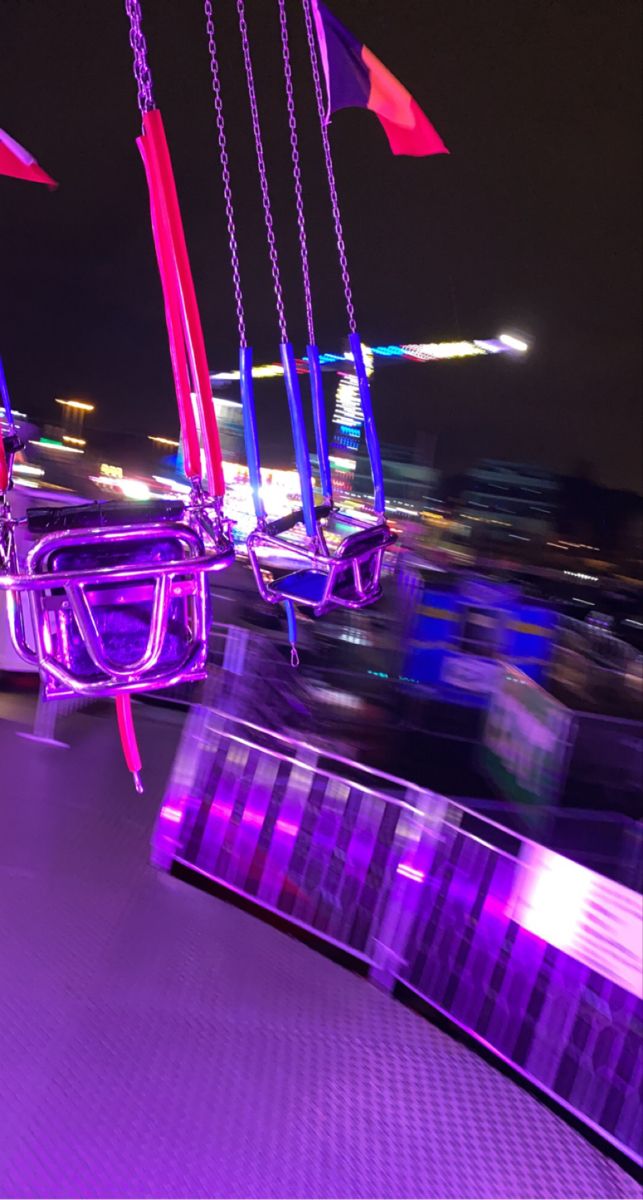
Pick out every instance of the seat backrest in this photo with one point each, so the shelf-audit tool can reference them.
(283, 524)
(103, 514)
(365, 540)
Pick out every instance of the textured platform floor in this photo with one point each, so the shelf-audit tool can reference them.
(157, 1042)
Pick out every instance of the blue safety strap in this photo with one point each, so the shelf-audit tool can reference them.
(250, 430)
(291, 617)
(372, 442)
(319, 419)
(302, 457)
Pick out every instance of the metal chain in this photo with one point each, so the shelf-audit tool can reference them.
(225, 172)
(263, 175)
(139, 50)
(330, 171)
(296, 171)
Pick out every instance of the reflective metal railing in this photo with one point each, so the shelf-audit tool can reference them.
(535, 956)
(265, 815)
(592, 663)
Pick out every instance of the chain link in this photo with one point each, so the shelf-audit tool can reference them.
(263, 175)
(225, 172)
(296, 171)
(330, 171)
(139, 50)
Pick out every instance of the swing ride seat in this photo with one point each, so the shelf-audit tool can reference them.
(292, 519)
(118, 595)
(346, 577)
(305, 587)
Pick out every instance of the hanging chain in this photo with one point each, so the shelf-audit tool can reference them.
(225, 172)
(139, 50)
(263, 175)
(296, 171)
(337, 218)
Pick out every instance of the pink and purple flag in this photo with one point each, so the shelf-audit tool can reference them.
(355, 78)
(19, 163)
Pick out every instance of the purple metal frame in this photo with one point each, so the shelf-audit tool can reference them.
(66, 604)
(352, 572)
(537, 958)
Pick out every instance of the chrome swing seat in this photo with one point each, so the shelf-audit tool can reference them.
(118, 595)
(317, 557)
(341, 570)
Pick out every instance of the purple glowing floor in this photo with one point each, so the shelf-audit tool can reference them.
(157, 1042)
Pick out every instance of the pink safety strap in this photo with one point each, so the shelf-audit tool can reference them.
(193, 331)
(128, 737)
(4, 468)
(167, 270)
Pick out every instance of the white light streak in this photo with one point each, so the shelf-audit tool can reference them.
(514, 343)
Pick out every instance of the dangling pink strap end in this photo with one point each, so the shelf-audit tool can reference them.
(128, 737)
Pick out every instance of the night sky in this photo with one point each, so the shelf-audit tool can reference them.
(530, 225)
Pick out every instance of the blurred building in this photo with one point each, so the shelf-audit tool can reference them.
(407, 481)
(609, 519)
(521, 500)
(346, 428)
(229, 415)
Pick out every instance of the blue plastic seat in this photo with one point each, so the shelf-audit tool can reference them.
(304, 587)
